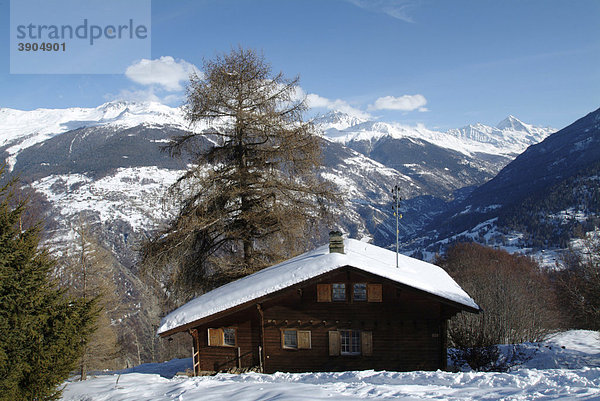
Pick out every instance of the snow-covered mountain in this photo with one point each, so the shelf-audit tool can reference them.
(509, 138)
(540, 202)
(22, 129)
(336, 120)
(439, 162)
(107, 162)
(16, 124)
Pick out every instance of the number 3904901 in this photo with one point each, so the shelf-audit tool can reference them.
(44, 46)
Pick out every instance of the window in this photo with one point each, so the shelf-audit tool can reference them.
(229, 337)
(360, 292)
(295, 339)
(290, 339)
(222, 337)
(350, 342)
(339, 292)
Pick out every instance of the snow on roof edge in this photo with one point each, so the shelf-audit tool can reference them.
(369, 258)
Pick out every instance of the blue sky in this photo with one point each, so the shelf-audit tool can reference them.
(440, 63)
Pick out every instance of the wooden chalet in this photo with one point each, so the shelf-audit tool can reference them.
(342, 307)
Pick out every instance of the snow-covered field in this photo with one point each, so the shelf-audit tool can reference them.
(566, 366)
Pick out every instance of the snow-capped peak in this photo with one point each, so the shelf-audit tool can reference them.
(512, 139)
(513, 123)
(17, 124)
(336, 120)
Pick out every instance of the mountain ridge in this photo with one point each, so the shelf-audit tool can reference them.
(21, 129)
(541, 201)
(509, 138)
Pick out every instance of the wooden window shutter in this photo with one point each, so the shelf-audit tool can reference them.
(374, 293)
(323, 292)
(366, 343)
(304, 339)
(215, 337)
(334, 343)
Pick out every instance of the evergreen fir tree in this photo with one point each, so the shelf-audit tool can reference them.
(40, 327)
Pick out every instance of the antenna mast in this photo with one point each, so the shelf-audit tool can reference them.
(397, 200)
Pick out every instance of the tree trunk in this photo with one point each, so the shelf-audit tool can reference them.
(82, 371)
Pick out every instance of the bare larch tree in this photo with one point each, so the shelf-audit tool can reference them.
(87, 272)
(252, 197)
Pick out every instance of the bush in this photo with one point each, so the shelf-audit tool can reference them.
(515, 295)
(578, 284)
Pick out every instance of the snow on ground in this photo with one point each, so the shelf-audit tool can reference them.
(554, 372)
(131, 194)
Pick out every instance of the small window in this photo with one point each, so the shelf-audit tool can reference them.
(350, 342)
(339, 292)
(222, 337)
(229, 337)
(296, 339)
(359, 292)
(290, 339)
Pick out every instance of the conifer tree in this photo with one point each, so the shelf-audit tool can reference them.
(40, 327)
(253, 196)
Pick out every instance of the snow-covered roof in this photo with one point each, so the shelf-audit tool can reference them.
(361, 255)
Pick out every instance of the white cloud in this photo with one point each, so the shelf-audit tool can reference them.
(165, 72)
(402, 103)
(315, 101)
(398, 9)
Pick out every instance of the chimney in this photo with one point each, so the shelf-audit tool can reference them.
(336, 242)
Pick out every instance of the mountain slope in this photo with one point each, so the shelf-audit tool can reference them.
(439, 162)
(558, 157)
(22, 129)
(539, 201)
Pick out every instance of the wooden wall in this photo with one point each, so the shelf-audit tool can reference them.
(406, 328)
(215, 358)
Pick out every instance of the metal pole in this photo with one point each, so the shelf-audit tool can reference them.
(397, 199)
(397, 231)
